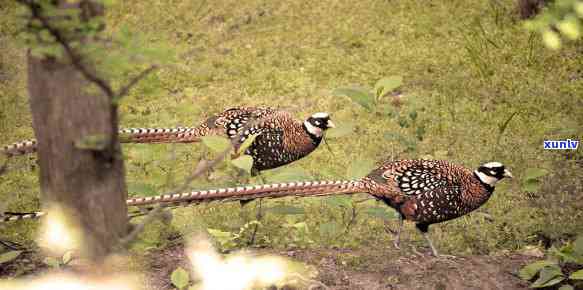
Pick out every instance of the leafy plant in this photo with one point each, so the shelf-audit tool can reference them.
(9, 256)
(231, 240)
(563, 18)
(565, 265)
(220, 144)
(531, 181)
(58, 262)
(370, 99)
(180, 278)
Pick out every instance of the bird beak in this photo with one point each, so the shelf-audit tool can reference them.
(329, 124)
(507, 173)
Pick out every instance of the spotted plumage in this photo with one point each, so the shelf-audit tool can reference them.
(429, 191)
(281, 138)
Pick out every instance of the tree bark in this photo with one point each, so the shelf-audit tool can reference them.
(89, 183)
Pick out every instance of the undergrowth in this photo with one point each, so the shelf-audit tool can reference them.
(475, 87)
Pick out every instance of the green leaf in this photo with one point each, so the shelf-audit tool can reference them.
(578, 246)
(381, 212)
(570, 27)
(548, 276)
(67, 257)
(531, 185)
(578, 7)
(329, 228)
(360, 168)
(9, 256)
(286, 210)
(551, 39)
(287, 174)
(340, 131)
(301, 226)
(180, 278)
(341, 201)
(529, 271)
(142, 189)
(577, 275)
(534, 173)
(216, 143)
(566, 287)
(566, 254)
(95, 142)
(219, 235)
(358, 95)
(413, 115)
(244, 162)
(52, 262)
(248, 141)
(386, 85)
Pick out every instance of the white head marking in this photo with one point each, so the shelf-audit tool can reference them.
(320, 115)
(313, 129)
(493, 164)
(489, 180)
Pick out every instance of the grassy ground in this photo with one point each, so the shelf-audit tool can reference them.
(480, 86)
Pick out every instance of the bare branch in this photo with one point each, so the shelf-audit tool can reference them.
(125, 89)
(76, 59)
(201, 167)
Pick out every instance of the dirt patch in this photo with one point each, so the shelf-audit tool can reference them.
(28, 263)
(376, 269)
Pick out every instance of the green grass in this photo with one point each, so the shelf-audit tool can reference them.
(467, 67)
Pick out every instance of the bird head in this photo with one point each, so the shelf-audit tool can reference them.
(318, 123)
(492, 172)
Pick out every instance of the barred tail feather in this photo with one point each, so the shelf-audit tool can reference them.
(132, 135)
(161, 135)
(277, 190)
(19, 148)
(18, 217)
(316, 188)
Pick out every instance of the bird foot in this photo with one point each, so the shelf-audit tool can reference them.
(414, 250)
(396, 244)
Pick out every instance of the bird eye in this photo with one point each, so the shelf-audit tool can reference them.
(492, 172)
(317, 123)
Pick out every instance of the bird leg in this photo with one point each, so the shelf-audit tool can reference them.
(397, 240)
(254, 172)
(424, 228)
(426, 236)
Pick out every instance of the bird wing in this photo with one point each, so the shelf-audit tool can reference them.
(415, 177)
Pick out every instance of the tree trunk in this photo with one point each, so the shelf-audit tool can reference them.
(90, 184)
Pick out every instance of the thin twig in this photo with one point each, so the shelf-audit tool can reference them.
(201, 167)
(4, 166)
(76, 59)
(141, 226)
(125, 89)
(258, 217)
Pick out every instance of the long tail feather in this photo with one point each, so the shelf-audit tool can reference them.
(19, 148)
(132, 135)
(160, 135)
(277, 190)
(10, 217)
(316, 188)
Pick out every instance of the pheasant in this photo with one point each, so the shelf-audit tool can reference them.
(422, 191)
(432, 191)
(281, 139)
